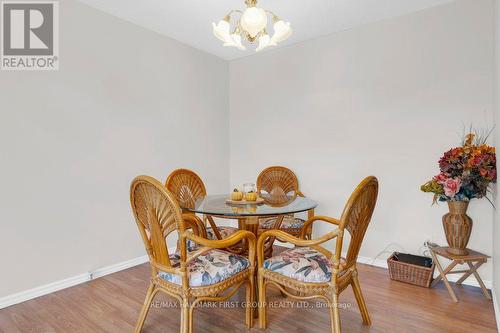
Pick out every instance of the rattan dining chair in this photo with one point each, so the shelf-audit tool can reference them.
(309, 270)
(208, 274)
(187, 187)
(279, 181)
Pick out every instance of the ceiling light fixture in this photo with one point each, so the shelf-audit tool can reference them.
(251, 25)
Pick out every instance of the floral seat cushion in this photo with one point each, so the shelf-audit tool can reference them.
(303, 264)
(209, 268)
(289, 222)
(224, 233)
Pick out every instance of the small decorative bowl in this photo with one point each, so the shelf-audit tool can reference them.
(237, 196)
(251, 196)
(248, 187)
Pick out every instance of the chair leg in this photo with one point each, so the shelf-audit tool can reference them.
(145, 308)
(361, 300)
(262, 303)
(249, 300)
(334, 313)
(186, 323)
(190, 319)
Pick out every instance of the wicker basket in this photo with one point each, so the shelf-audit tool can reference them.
(409, 273)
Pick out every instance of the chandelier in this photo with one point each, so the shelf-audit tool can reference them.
(251, 25)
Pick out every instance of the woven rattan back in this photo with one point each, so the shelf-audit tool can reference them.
(277, 181)
(157, 214)
(186, 186)
(357, 214)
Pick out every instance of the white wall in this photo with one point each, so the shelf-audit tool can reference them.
(386, 99)
(126, 101)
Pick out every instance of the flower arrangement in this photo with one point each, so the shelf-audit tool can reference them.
(466, 171)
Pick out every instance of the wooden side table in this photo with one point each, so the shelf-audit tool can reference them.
(474, 260)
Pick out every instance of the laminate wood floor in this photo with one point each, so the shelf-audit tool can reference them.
(112, 304)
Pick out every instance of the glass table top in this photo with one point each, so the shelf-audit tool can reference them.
(216, 205)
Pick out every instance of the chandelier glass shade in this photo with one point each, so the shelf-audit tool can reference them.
(251, 25)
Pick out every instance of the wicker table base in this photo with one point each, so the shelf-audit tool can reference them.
(250, 223)
(473, 260)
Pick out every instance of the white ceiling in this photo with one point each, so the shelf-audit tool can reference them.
(189, 21)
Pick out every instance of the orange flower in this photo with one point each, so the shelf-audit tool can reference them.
(469, 138)
(483, 172)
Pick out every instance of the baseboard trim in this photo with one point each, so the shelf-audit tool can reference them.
(496, 307)
(42, 290)
(119, 267)
(69, 282)
(470, 281)
(85, 277)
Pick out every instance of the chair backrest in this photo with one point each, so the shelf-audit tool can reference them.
(356, 216)
(157, 214)
(186, 186)
(278, 181)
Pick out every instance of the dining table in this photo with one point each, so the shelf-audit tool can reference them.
(248, 215)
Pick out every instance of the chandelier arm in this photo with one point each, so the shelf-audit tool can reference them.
(228, 15)
(275, 17)
(237, 28)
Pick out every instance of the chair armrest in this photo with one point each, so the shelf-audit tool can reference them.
(194, 221)
(310, 221)
(223, 243)
(283, 236)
